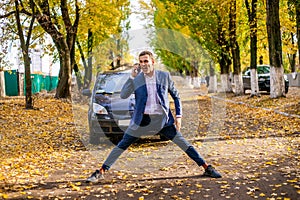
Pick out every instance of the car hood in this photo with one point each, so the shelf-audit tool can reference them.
(120, 108)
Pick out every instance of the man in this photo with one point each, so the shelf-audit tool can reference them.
(152, 114)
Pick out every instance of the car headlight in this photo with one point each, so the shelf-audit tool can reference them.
(98, 109)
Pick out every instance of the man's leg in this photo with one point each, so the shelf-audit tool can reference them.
(176, 137)
(126, 141)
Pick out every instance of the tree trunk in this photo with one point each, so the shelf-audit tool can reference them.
(21, 78)
(225, 83)
(64, 41)
(238, 82)
(196, 81)
(28, 96)
(63, 89)
(78, 77)
(224, 59)
(74, 65)
(237, 72)
(212, 82)
(252, 19)
(254, 82)
(292, 57)
(297, 5)
(276, 82)
(2, 84)
(89, 71)
(275, 50)
(25, 54)
(83, 60)
(292, 61)
(88, 66)
(235, 51)
(225, 78)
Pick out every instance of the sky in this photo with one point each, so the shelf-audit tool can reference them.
(135, 21)
(138, 42)
(137, 33)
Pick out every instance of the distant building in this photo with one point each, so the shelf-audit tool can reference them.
(41, 62)
(44, 72)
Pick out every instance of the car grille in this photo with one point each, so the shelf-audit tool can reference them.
(110, 127)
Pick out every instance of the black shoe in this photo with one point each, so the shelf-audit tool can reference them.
(95, 176)
(211, 172)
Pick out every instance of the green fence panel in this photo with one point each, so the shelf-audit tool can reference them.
(43, 82)
(11, 83)
(53, 81)
(39, 82)
(47, 83)
(36, 83)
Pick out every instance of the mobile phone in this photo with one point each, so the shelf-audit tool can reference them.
(138, 70)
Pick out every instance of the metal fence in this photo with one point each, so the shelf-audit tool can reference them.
(15, 83)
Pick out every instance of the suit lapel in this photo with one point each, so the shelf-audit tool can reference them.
(158, 85)
(157, 80)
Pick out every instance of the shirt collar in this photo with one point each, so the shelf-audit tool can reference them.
(148, 77)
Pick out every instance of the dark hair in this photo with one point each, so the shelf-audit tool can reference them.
(146, 53)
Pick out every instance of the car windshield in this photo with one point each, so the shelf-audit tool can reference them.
(111, 83)
(263, 70)
(260, 70)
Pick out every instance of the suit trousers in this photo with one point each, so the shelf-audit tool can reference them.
(169, 132)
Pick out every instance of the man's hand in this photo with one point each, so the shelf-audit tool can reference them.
(178, 123)
(135, 70)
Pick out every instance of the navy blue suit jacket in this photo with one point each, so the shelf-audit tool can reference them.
(164, 85)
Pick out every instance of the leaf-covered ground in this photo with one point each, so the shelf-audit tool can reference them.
(253, 142)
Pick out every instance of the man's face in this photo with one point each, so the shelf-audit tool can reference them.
(147, 64)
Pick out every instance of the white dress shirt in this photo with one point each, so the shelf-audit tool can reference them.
(152, 104)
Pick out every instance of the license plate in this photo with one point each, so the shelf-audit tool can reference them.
(124, 122)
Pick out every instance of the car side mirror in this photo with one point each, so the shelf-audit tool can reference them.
(86, 92)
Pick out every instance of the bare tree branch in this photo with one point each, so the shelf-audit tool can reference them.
(7, 15)
(65, 14)
(31, 24)
(44, 19)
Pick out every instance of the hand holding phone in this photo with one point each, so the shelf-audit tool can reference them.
(136, 70)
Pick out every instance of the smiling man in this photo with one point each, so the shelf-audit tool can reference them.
(152, 114)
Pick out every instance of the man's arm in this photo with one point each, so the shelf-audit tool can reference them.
(175, 96)
(127, 89)
(177, 102)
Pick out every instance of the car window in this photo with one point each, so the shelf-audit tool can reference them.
(247, 73)
(111, 82)
(263, 70)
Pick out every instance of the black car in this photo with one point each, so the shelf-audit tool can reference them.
(263, 75)
(108, 114)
